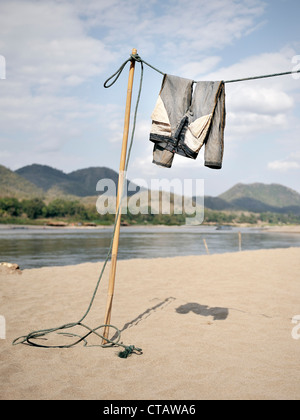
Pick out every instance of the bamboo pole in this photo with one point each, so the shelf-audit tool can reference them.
(115, 246)
(240, 241)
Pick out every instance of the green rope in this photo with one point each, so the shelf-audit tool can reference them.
(117, 74)
(263, 77)
(138, 58)
(128, 350)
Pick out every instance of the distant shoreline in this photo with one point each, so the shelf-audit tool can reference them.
(278, 229)
(282, 229)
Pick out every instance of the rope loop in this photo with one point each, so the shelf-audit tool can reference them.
(116, 75)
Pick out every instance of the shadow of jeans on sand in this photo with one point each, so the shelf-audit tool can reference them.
(219, 314)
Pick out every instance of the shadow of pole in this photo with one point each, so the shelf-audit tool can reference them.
(146, 314)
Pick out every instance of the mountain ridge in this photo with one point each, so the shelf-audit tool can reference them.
(14, 185)
(271, 194)
(41, 180)
(256, 198)
(80, 183)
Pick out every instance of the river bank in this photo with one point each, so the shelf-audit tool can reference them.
(262, 228)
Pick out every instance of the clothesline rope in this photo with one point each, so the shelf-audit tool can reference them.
(263, 77)
(137, 58)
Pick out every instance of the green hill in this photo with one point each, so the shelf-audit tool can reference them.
(42, 176)
(256, 198)
(89, 177)
(48, 178)
(216, 203)
(272, 195)
(80, 183)
(14, 185)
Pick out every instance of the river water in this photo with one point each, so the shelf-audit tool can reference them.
(39, 247)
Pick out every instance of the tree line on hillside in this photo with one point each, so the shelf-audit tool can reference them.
(14, 210)
(36, 208)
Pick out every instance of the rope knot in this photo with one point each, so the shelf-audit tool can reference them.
(136, 57)
(128, 351)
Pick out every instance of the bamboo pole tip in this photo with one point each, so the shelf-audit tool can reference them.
(134, 51)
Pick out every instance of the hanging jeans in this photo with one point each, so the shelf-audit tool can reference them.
(182, 121)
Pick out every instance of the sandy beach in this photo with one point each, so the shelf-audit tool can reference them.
(211, 327)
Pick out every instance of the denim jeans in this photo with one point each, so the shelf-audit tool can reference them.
(183, 120)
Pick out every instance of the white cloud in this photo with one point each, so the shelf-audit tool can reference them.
(46, 45)
(261, 105)
(265, 101)
(47, 123)
(197, 26)
(49, 52)
(283, 166)
(194, 69)
(243, 125)
(290, 162)
(182, 28)
(260, 64)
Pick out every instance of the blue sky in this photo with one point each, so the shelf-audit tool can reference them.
(55, 111)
